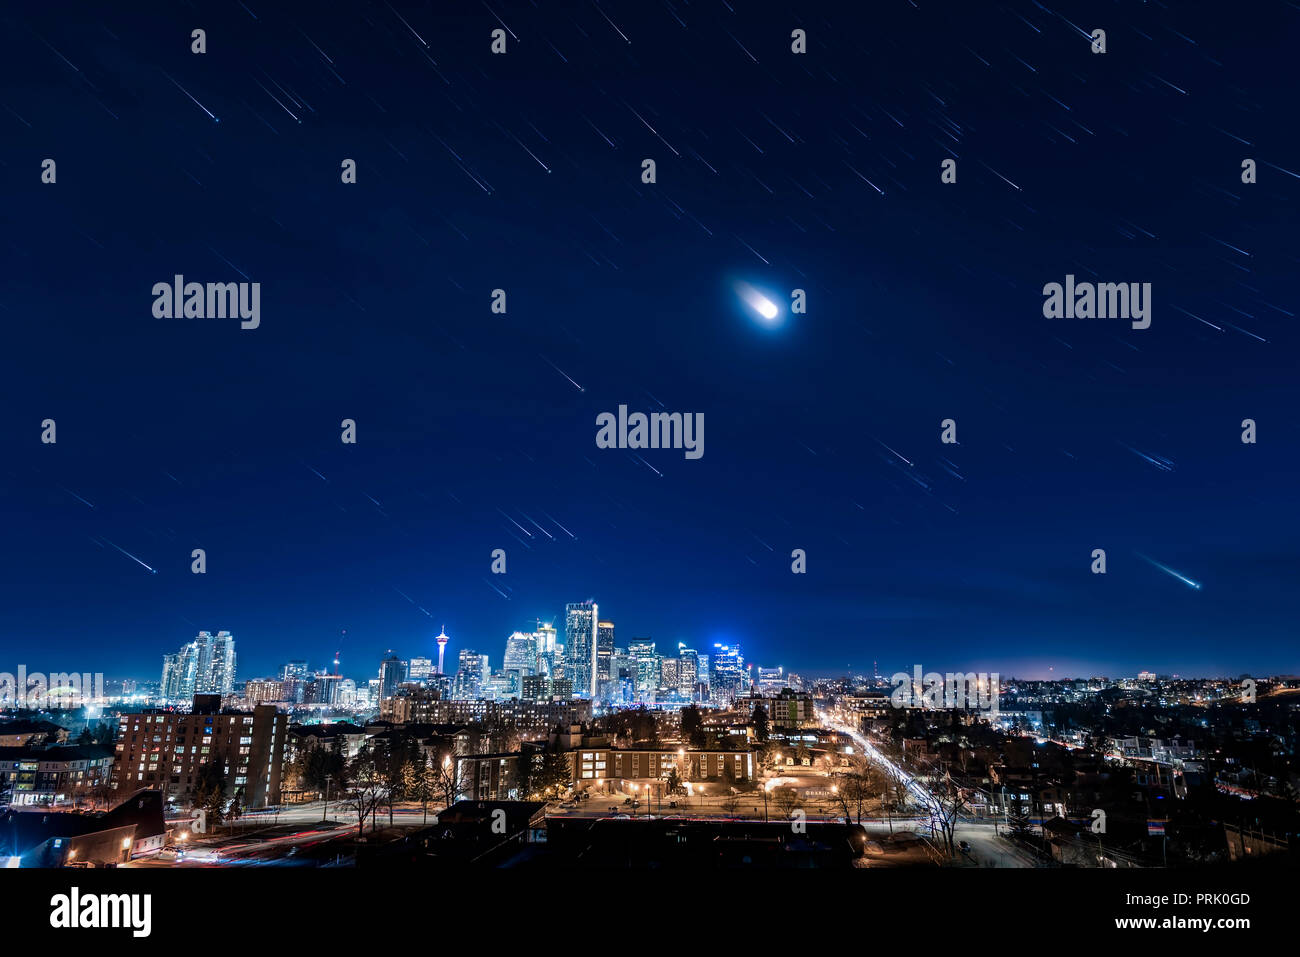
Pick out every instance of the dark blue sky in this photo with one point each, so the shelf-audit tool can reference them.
(818, 171)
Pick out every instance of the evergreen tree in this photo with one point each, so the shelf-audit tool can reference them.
(692, 726)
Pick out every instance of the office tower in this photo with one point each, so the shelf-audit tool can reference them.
(535, 688)
(470, 676)
(580, 620)
(521, 654)
(392, 672)
(421, 669)
(622, 677)
(545, 635)
(646, 663)
(727, 673)
(669, 669)
(604, 650)
(501, 686)
(547, 648)
(324, 689)
(687, 671)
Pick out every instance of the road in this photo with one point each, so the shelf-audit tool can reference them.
(256, 846)
(987, 848)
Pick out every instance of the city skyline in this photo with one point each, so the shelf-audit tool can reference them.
(330, 666)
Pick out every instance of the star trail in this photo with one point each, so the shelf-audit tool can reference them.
(775, 172)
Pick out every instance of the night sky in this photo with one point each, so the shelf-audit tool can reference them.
(522, 171)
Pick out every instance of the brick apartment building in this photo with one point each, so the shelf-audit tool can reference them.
(600, 768)
(166, 749)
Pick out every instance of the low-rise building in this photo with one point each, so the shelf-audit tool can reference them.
(53, 774)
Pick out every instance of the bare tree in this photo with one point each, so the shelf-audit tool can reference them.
(730, 801)
(449, 780)
(367, 791)
(945, 802)
(856, 787)
(786, 800)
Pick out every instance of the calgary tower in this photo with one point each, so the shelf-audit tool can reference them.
(442, 647)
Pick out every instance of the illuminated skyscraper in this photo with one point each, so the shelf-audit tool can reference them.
(604, 650)
(521, 655)
(580, 646)
(646, 663)
(546, 650)
(470, 676)
(204, 666)
(688, 669)
(727, 675)
(392, 672)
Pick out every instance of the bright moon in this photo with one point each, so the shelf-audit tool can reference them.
(757, 301)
